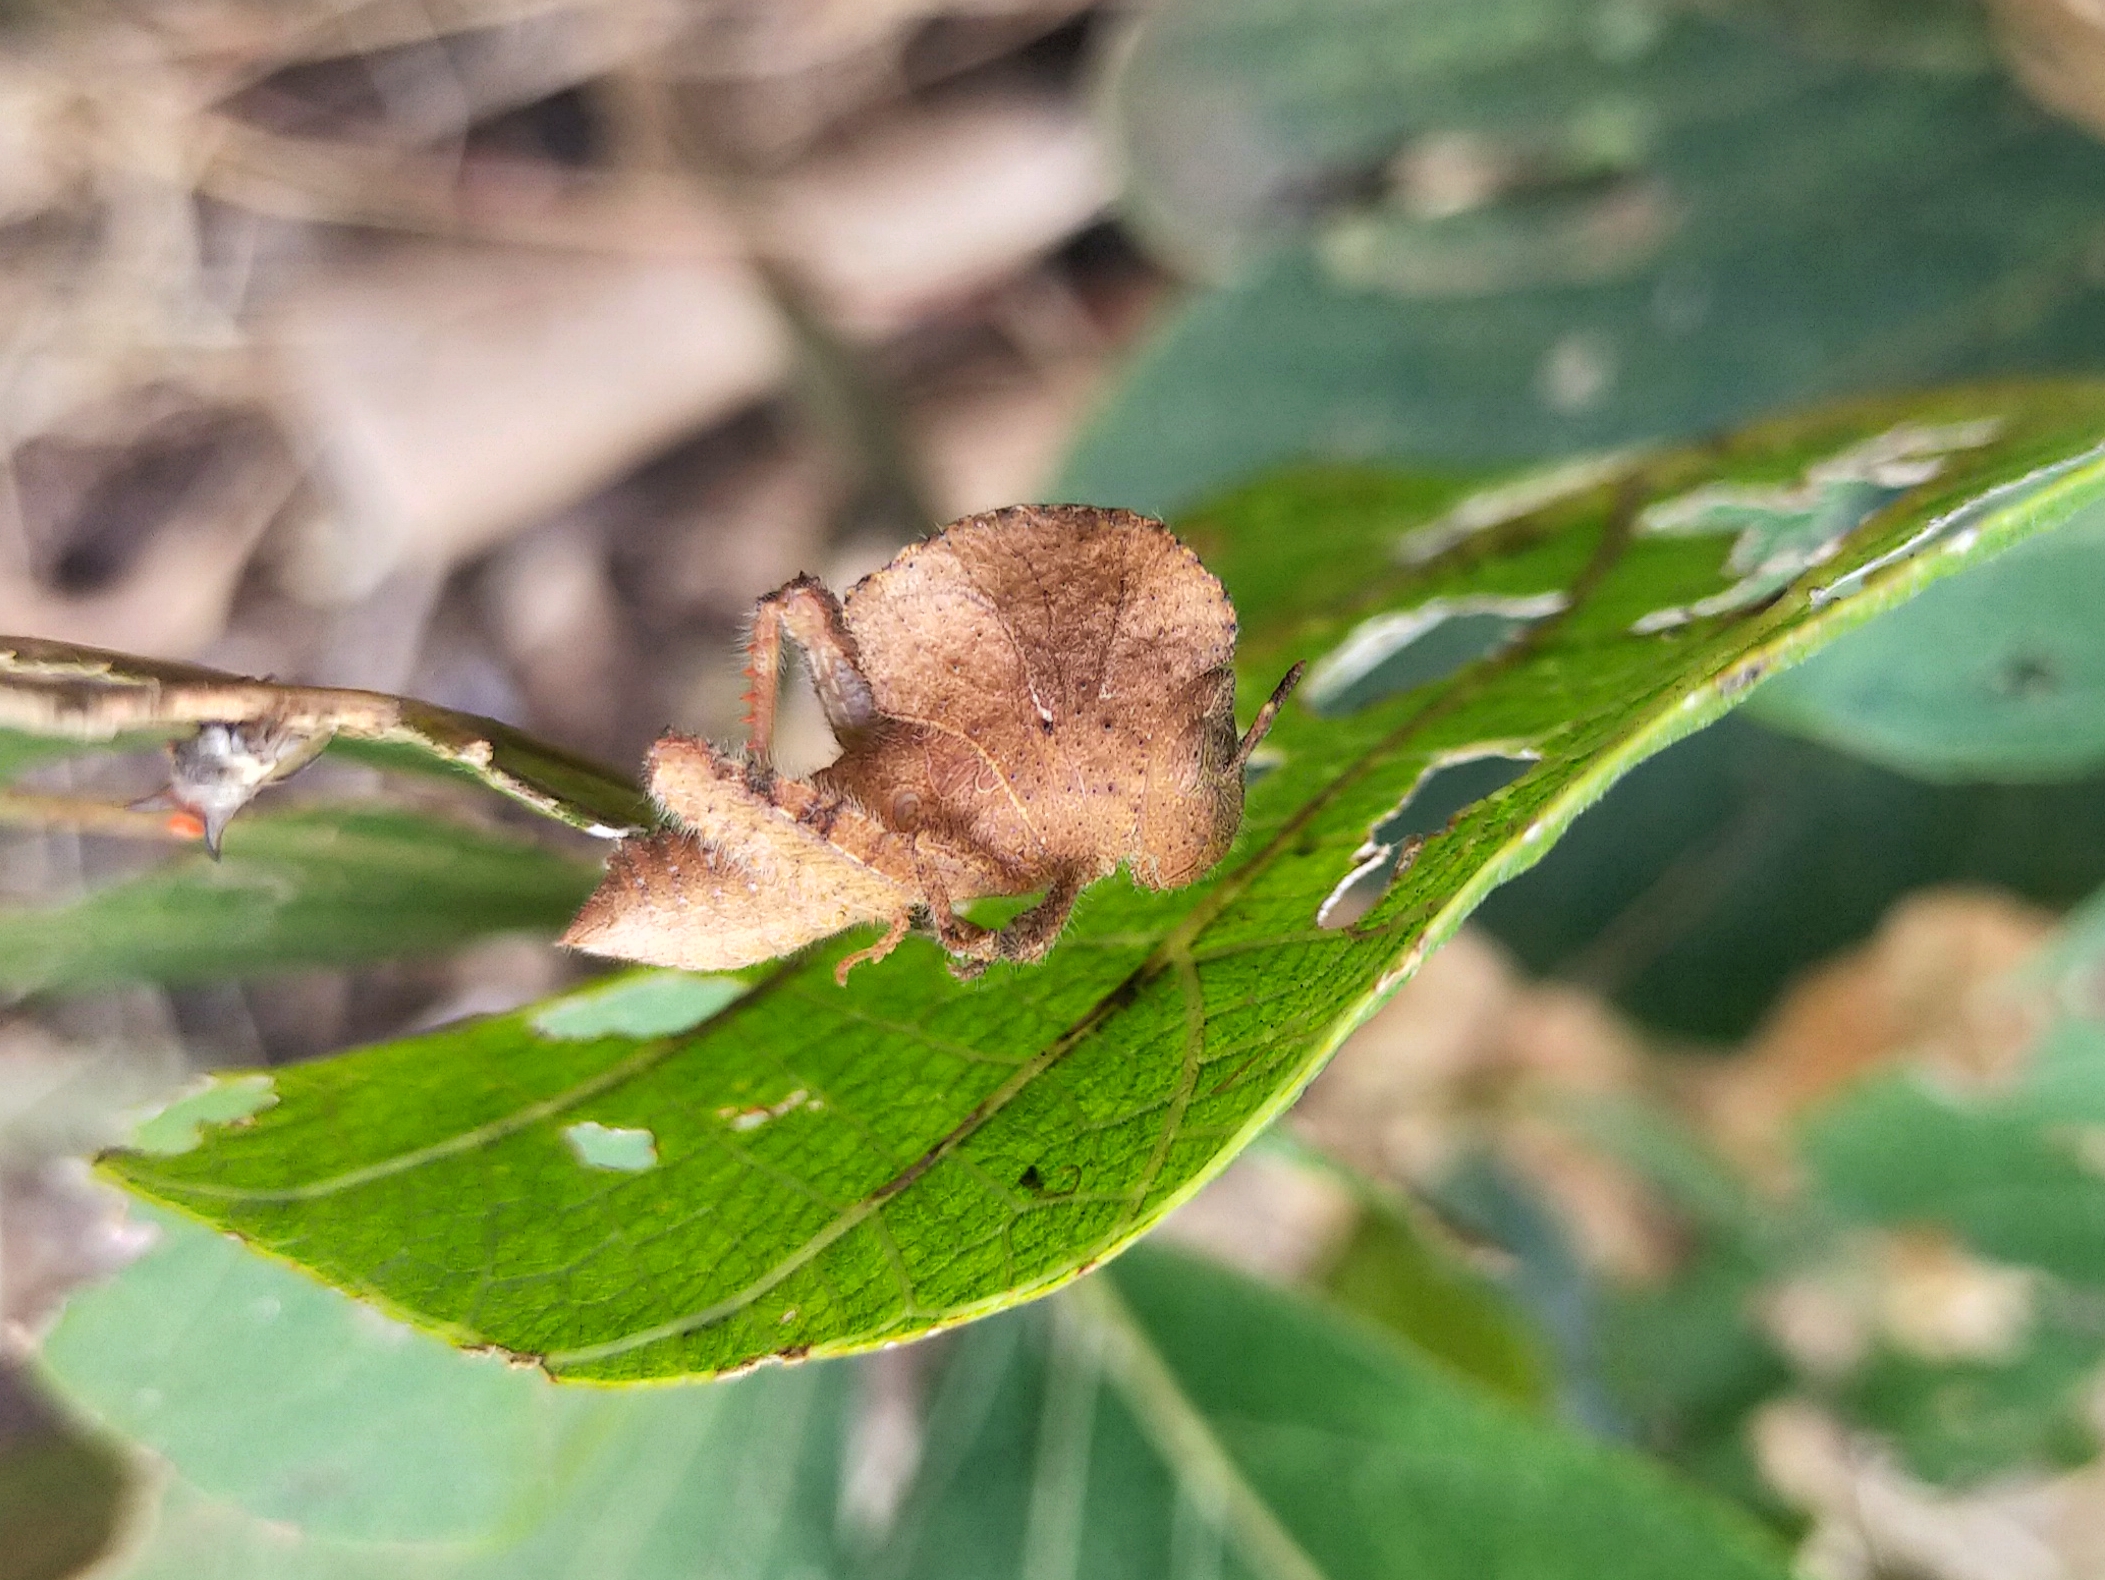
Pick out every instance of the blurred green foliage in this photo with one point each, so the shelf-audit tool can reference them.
(307, 886)
(1484, 233)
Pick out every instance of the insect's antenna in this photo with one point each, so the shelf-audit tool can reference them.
(1262, 724)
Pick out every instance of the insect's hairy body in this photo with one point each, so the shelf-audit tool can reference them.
(1026, 701)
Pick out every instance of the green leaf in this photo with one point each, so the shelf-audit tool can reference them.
(1961, 1422)
(270, 1391)
(2013, 1168)
(1404, 1269)
(21, 751)
(1179, 1419)
(1391, 1273)
(1652, 225)
(1724, 866)
(1995, 676)
(2009, 1163)
(841, 1168)
(1170, 1419)
(2016, 1165)
(1314, 93)
(56, 692)
(1687, 1361)
(314, 886)
(312, 1438)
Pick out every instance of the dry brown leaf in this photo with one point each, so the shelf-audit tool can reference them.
(416, 85)
(1871, 1519)
(937, 206)
(1929, 985)
(557, 617)
(1464, 1056)
(994, 438)
(2056, 48)
(1029, 700)
(454, 396)
(776, 38)
(137, 522)
(715, 545)
(43, 156)
(493, 200)
(771, 77)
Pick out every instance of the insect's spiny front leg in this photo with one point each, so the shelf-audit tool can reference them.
(812, 618)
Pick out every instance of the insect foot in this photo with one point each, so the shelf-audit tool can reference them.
(1025, 702)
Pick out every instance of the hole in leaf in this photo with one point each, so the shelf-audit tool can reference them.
(753, 1118)
(1442, 792)
(1494, 507)
(1954, 528)
(1406, 648)
(610, 1147)
(1782, 531)
(641, 1004)
(179, 1127)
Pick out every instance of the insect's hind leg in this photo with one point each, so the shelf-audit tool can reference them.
(811, 616)
(969, 945)
(1029, 937)
(1033, 933)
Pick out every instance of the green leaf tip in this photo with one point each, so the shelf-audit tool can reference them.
(1997, 676)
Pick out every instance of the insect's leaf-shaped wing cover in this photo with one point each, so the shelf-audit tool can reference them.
(1073, 662)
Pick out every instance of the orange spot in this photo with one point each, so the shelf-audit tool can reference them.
(184, 825)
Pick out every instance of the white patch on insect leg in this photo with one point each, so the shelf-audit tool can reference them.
(224, 766)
